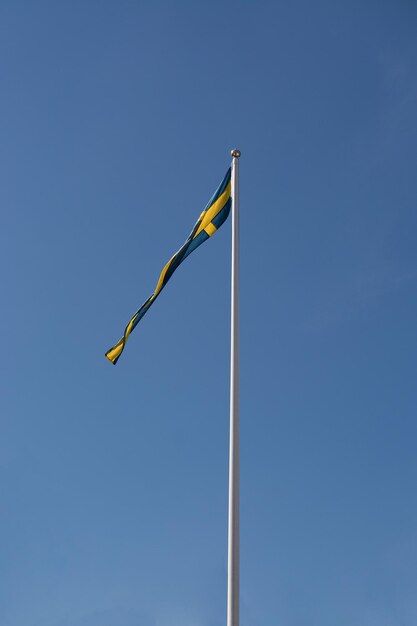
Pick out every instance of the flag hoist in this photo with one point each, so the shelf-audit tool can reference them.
(210, 220)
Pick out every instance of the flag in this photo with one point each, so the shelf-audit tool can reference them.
(213, 216)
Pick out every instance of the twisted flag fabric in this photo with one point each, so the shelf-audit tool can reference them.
(213, 216)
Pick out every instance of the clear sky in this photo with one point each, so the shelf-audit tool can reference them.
(117, 120)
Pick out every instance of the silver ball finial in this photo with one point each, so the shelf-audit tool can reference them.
(235, 153)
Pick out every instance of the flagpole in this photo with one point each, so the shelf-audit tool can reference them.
(233, 534)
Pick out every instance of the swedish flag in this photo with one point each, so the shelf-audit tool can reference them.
(213, 216)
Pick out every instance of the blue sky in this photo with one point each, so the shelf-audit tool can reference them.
(117, 120)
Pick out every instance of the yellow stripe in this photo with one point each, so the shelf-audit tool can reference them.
(115, 352)
(214, 209)
(210, 229)
(129, 328)
(161, 278)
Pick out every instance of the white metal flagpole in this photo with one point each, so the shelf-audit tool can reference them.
(233, 535)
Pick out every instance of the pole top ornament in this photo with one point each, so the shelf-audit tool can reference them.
(235, 153)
